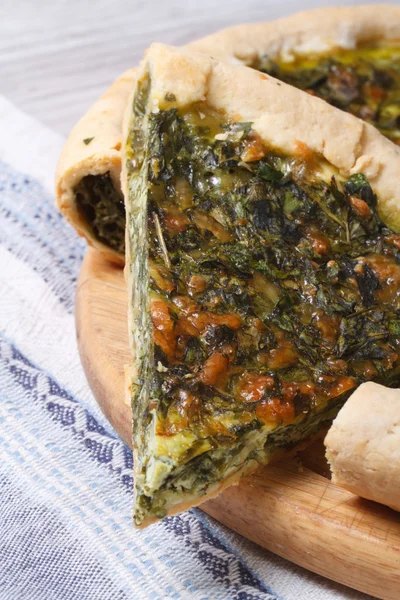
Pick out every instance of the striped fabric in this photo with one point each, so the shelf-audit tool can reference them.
(65, 476)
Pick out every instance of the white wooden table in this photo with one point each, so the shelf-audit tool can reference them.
(57, 56)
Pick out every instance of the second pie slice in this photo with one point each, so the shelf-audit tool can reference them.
(263, 284)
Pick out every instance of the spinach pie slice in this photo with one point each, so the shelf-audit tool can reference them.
(263, 284)
(354, 64)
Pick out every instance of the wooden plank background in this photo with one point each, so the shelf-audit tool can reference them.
(57, 56)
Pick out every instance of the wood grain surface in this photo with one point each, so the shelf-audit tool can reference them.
(57, 57)
(290, 508)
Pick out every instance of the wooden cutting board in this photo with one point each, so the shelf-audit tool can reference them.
(292, 508)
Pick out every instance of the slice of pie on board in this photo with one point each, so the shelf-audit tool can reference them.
(263, 284)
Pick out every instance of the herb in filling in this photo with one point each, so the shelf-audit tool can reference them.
(364, 82)
(103, 208)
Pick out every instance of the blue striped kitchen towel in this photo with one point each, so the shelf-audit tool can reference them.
(65, 476)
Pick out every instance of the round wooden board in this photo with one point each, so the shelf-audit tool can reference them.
(290, 508)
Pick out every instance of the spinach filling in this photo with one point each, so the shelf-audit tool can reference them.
(272, 294)
(103, 208)
(364, 82)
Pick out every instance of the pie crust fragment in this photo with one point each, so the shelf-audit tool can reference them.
(363, 444)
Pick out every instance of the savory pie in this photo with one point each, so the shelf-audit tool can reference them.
(348, 56)
(263, 284)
